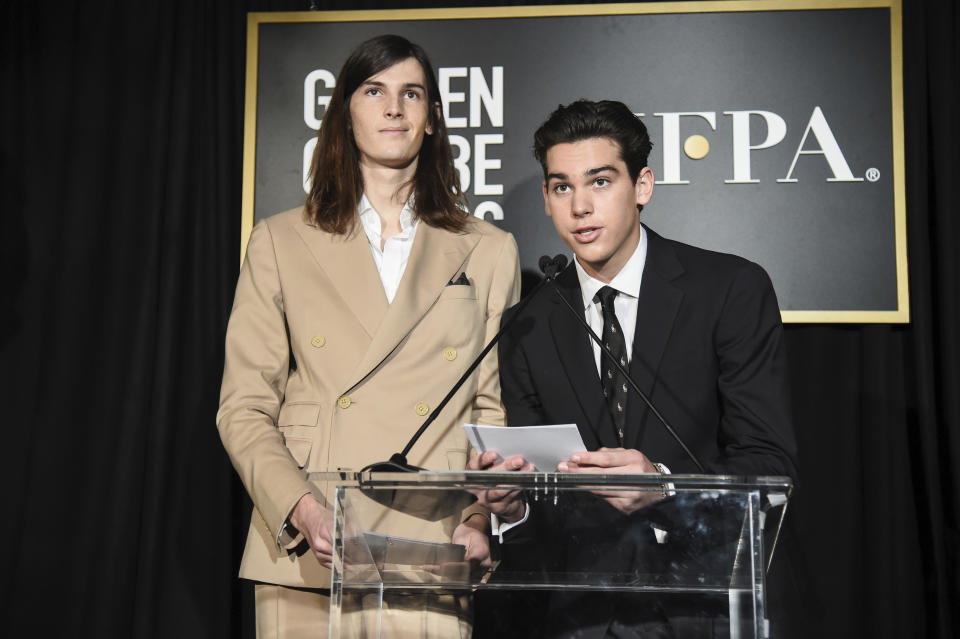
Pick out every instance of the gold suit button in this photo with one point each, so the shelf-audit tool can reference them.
(421, 408)
(344, 402)
(318, 341)
(450, 353)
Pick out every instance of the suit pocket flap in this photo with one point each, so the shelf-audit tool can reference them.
(458, 292)
(299, 414)
(299, 449)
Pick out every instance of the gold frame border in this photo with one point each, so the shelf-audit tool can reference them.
(899, 316)
(250, 130)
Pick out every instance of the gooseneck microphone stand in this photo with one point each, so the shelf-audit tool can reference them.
(550, 267)
(633, 384)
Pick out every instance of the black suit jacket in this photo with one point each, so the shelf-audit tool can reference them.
(708, 351)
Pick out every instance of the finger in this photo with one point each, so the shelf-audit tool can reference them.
(477, 552)
(593, 470)
(506, 512)
(604, 459)
(474, 553)
(514, 463)
(619, 494)
(482, 461)
(505, 508)
(325, 535)
(595, 458)
(489, 458)
(502, 494)
(322, 545)
(508, 465)
(474, 462)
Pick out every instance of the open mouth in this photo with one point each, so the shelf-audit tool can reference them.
(586, 234)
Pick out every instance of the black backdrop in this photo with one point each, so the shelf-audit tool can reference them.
(120, 161)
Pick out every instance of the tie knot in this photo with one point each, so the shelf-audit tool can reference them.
(606, 296)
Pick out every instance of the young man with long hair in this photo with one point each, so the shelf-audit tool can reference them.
(353, 317)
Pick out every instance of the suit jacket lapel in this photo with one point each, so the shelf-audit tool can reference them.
(657, 309)
(348, 264)
(435, 258)
(573, 346)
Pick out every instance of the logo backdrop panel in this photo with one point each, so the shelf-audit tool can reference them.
(777, 134)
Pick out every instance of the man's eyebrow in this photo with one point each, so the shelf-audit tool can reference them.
(587, 173)
(600, 169)
(379, 84)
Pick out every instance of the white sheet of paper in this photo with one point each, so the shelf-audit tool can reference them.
(545, 446)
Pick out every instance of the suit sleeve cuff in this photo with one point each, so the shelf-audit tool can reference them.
(474, 509)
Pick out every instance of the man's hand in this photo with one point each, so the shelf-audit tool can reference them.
(316, 524)
(505, 504)
(473, 535)
(615, 461)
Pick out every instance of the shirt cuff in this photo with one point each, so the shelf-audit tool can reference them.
(496, 528)
(289, 537)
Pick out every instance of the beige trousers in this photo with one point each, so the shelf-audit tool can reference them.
(288, 613)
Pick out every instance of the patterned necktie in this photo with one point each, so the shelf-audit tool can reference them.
(613, 382)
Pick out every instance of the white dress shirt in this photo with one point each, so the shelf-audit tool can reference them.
(392, 260)
(627, 283)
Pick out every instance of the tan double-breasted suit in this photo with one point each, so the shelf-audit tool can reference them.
(322, 373)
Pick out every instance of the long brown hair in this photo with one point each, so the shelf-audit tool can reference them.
(336, 181)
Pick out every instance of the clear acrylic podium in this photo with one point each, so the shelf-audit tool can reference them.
(699, 549)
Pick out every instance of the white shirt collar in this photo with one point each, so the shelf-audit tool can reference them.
(627, 281)
(370, 220)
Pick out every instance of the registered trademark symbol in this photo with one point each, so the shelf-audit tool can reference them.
(872, 174)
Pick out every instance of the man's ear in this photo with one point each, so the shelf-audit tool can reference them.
(546, 209)
(644, 185)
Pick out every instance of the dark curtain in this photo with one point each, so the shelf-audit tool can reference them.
(120, 161)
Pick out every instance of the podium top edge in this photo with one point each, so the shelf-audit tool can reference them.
(441, 479)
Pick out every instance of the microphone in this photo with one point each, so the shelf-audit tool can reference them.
(551, 267)
(603, 349)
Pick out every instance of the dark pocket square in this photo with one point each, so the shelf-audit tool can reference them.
(460, 281)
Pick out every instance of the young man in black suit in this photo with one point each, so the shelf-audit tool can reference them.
(699, 331)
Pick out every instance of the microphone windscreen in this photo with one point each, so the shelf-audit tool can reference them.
(561, 262)
(544, 263)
